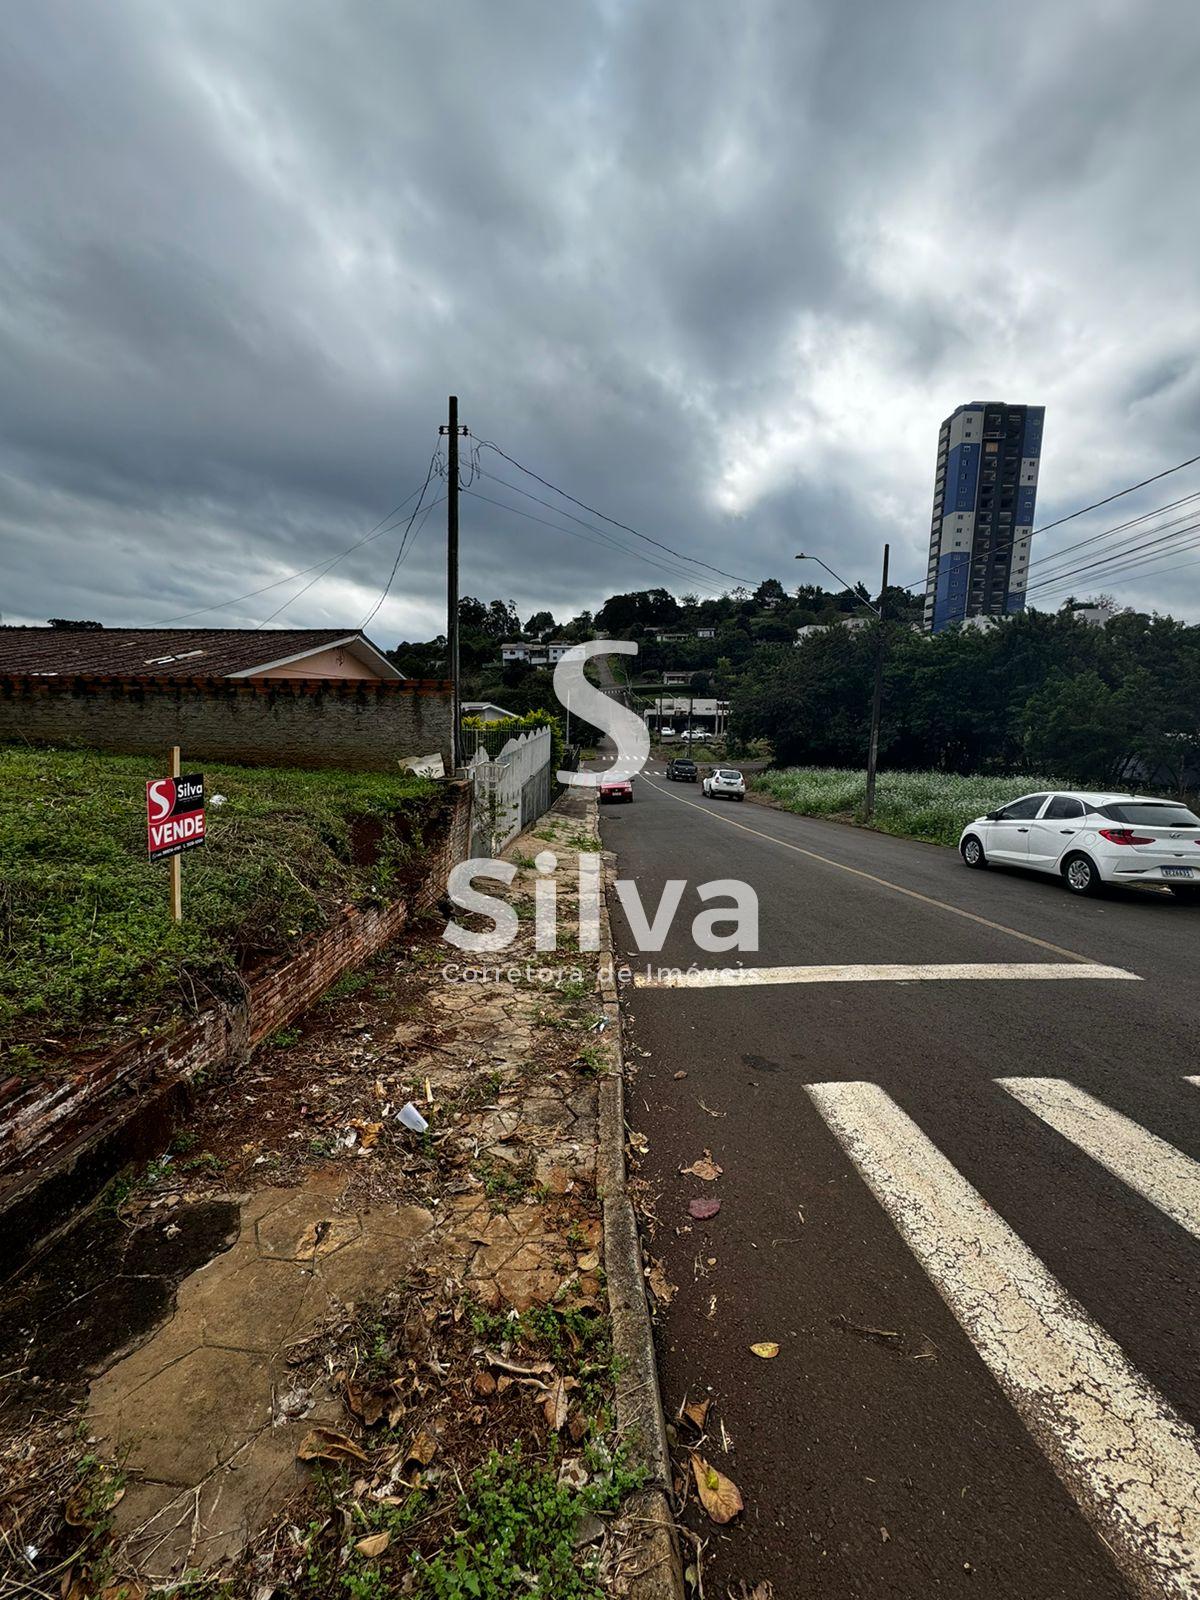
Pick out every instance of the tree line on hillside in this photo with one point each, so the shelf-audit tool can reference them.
(740, 623)
(1039, 692)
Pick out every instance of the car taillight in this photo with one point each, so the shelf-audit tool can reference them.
(1123, 836)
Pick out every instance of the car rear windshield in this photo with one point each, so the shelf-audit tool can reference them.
(1148, 814)
(725, 772)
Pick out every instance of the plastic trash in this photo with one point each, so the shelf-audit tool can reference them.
(412, 1118)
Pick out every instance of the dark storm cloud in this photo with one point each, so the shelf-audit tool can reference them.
(719, 270)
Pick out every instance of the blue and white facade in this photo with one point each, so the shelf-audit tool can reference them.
(984, 492)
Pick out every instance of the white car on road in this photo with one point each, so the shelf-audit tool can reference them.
(1092, 839)
(725, 783)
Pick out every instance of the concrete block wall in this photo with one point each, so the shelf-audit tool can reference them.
(359, 725)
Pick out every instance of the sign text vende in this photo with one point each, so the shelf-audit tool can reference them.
(174, 815)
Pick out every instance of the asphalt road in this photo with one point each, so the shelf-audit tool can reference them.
(985, 1296)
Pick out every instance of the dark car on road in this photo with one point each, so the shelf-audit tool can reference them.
(682, 770)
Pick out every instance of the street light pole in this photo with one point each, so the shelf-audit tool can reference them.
(877, 693)
(876, 697)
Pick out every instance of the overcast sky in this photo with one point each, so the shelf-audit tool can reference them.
(718, 269)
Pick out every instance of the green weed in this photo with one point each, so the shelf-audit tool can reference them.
(517, 1533)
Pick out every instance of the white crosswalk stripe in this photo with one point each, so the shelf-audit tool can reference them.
(1155, 1169)
(1129, 1460)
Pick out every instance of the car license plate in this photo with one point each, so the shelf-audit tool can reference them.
(1177, 872)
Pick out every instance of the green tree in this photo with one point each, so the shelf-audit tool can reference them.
(1075, 726)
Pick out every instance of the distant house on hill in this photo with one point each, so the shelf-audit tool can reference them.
(532, 654)
(846, 621)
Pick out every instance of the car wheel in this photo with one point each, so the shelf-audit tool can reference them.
(1080, 875)
(741, 796)
(1189, 894)
(972, 852)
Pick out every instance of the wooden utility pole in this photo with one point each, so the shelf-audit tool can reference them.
(452, 432)
(176, 861)
(877, 696)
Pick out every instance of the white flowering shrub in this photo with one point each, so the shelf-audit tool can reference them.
(922, 805)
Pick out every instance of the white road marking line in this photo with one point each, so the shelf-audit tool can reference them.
(1155, 1169)
(740, 977)
(1125, 1455)
(1196, 1081)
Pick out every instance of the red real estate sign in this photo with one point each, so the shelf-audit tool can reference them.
(174, 815)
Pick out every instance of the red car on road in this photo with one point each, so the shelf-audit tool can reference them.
(616, 789)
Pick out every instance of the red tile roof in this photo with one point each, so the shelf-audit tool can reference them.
(161, 653)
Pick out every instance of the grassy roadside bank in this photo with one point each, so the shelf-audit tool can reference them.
(88, 944)
(934, 806)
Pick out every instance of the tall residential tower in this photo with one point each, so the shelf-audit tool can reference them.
(983, 497)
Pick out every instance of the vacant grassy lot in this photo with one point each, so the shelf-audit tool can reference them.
(919, 805)
(86, 940)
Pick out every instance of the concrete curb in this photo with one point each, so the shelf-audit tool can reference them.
(652, 1569)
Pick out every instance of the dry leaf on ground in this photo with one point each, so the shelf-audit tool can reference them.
(703, 1209)
(554, 1407)
(719, 1495)
(323, 1444)
(374, 1544)
(366, 1403)
(704, 1167)
(422, 1450)
(696, 1411)
(589, 1262)
(767, 1349)
(661, 1286)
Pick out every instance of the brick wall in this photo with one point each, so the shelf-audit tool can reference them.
(303, 722)
(62, 1139)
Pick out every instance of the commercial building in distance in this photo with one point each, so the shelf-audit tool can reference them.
(984, 492)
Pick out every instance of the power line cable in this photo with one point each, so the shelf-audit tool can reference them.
(605, 541)
(1108, 499)
(1118, 528)
(1116, 558)
(602, 535)
(675, 570)
(377, 532)
(1083, 510)
(433, 463)
(487, 444)
(1134, 567)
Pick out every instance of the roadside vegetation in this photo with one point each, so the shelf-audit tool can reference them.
(919, 805)
(84, 920)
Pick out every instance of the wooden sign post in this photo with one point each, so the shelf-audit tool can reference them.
(174, 823)
(176, 861)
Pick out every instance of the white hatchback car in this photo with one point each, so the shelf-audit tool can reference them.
(725, 783)
(1092, 839)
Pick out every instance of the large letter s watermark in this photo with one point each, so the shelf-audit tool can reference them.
(628, 730)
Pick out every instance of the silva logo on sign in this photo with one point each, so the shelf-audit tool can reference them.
(174, 815)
